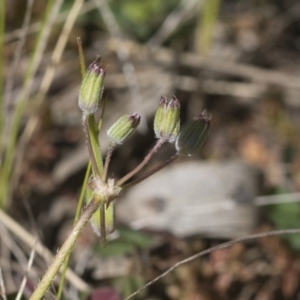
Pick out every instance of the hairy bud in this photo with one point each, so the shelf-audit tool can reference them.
(91, 87)
(123, 128)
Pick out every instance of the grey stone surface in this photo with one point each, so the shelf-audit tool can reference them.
(214, 199)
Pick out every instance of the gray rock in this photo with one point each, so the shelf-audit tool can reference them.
(213, 199)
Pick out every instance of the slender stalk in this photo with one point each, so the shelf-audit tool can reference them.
(94, 132)
(143, 163)
(85, 124)
(80, 204)
(107, 160)
(78, 210)
(64, 251)
(2, 34)
(218, 247)
(81, 57)
(102, 225)
(151, 172)
(84, 184)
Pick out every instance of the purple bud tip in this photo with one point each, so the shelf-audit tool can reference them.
(96, 67)
(203, 116)
(135, 117)
(163, 100)
(174, 102)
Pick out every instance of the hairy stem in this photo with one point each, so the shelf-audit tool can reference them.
(85, 124)
(64, 251)
(107, 160)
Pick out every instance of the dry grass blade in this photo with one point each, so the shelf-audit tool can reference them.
(29, 265)
(212, 249)
(45, 85)
(18, 51)
(2, 286)
(26, 237)
(35, 27)
(173, 20)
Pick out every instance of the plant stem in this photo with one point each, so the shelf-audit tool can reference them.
(102, 225)
(64, 251)
(143, 163)
(81, 57)
(2, 34)
(107, 160)
(151, 172)
(85, 124)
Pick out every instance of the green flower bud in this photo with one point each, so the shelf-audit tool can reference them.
(121, 130)
(193, 135)
(167, 119)
(91, 87)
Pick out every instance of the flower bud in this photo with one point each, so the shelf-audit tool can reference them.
(167, 119)
(121, 130)
(91, 88)
(193, 135)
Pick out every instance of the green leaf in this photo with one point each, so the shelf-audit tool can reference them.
(137, 238)
(285, 216)
(117, 247)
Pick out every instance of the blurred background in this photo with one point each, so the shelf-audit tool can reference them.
(239, 60)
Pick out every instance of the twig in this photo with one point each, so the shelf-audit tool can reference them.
(212, 249)
(143, 163)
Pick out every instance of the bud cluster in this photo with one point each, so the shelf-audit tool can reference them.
(166, 127)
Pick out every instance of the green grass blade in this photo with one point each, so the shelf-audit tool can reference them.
(206, 25)
(2, 33)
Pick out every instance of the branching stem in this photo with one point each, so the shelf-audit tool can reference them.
(151, 172)
(143, 163)
(64, 251)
